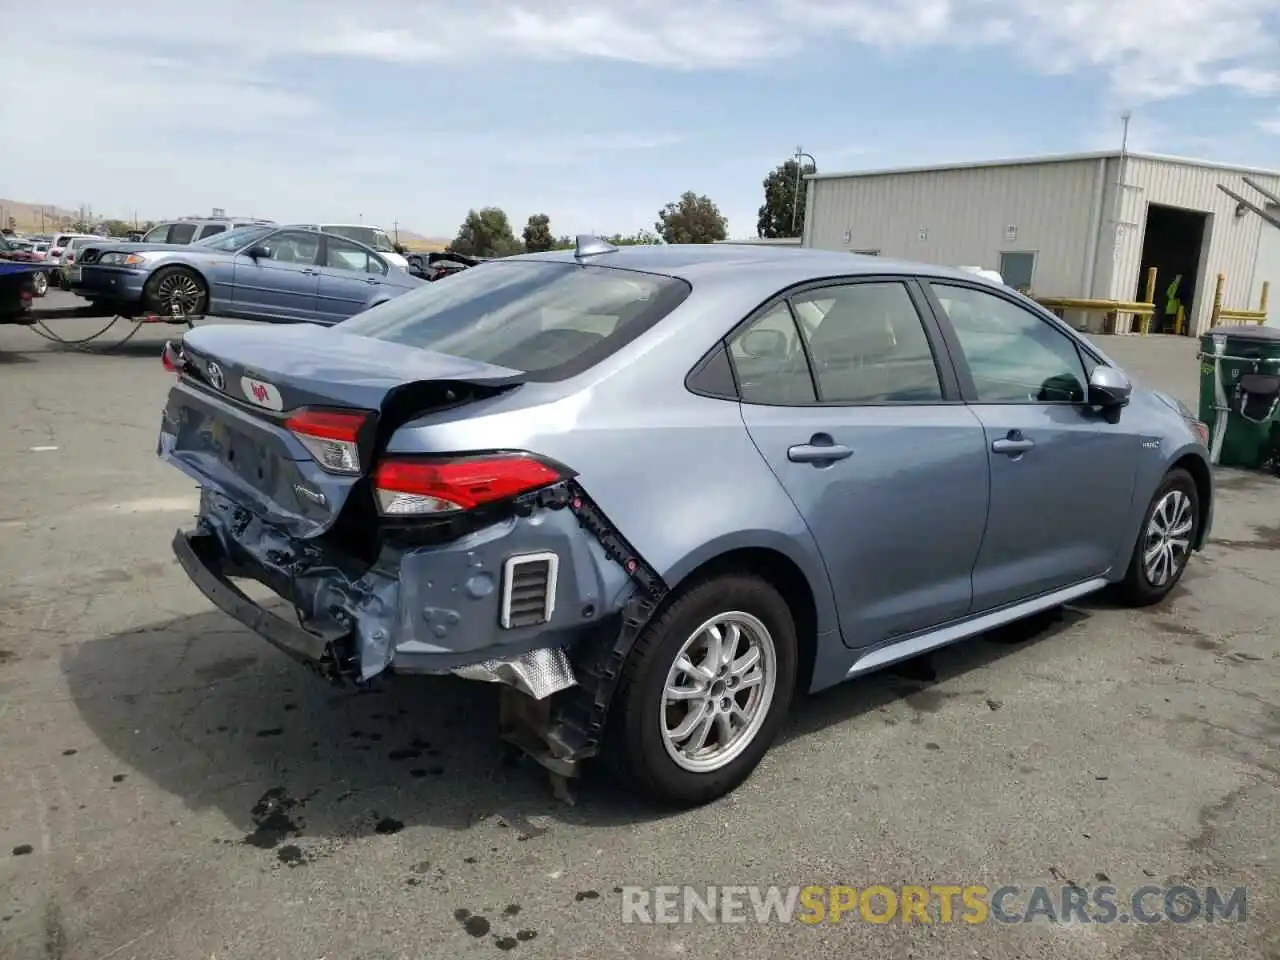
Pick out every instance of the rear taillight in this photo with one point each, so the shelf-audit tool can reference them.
(424, 488)
(331, 436)
(172, 358)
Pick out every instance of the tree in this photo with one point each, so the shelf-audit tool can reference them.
(485, 233)
(691, 219)
(117, 228)
(537, 234)
(639, 238)
(776, 215)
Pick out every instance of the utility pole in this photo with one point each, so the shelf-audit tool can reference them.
(395, 228)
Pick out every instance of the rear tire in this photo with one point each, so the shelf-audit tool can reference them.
(1169, 528)
(178, 285)
(735, 702)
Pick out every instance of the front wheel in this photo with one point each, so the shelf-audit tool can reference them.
(176, 291)
(1165, 541)
(705, 690)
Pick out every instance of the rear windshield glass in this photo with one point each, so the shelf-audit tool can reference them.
(548, 319)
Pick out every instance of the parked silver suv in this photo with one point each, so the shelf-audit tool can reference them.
(189, 229)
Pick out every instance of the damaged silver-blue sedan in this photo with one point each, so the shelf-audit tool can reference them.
(656, 492)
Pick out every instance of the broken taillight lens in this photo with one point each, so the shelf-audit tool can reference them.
(424, 488)
(331, 436)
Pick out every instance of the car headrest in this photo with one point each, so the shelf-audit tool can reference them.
(852, 332)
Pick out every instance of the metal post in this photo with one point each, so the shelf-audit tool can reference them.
(1216, 316)
(795, 199)
(1262, 302)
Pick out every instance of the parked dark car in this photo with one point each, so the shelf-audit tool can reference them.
(434, 266)
(260, 272)
(16, 291)
(15, 252)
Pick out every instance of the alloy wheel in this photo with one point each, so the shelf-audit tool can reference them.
(718, 691)
(1167, 542)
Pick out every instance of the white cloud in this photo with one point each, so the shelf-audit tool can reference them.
(1270, 124)
(206, 102)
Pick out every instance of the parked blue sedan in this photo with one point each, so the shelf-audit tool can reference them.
(273, 273)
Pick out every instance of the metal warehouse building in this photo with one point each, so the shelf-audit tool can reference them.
(1082, 225)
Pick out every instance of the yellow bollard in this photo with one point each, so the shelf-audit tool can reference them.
(1216, 316)
(1151, 299)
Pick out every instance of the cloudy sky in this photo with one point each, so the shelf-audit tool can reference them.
(595, 112)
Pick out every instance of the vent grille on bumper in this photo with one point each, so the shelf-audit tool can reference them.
(528, 590)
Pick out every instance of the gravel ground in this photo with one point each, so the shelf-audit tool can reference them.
(170, 787)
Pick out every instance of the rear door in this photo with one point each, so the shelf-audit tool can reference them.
(1062, 478)
(349, 279)
(284, 283)
(851, 399)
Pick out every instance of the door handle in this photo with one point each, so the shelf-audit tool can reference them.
(820, 449)
(309, 272)
(1014, 445)
(372, 281)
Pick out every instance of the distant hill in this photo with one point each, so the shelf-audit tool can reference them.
(34, 217)
(37, 218)
(420, 244)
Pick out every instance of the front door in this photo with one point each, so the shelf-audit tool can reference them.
(284, 283)
(845, 402)
(1062, 478)
(350, 279)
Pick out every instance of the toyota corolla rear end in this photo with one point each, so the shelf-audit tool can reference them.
(386, 549)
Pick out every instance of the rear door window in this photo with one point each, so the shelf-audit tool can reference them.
(340, 255)
(550, 320)
(211, 229)
(868, 344)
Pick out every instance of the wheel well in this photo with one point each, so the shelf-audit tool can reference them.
(789, 580)
(1204, 482)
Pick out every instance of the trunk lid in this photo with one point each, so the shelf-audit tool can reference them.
(225, 420)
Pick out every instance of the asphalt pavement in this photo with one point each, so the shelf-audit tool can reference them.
(170, 787)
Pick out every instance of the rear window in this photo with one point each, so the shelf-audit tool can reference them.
(550, 320)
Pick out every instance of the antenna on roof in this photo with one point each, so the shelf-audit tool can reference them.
(589, 246)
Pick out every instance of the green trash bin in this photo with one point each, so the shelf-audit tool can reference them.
(1240, 394)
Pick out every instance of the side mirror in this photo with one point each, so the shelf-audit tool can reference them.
(764, 344)
(1109, 387)
(258, 252)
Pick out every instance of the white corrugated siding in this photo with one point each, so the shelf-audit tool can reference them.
(965, 213)
(1232, 241)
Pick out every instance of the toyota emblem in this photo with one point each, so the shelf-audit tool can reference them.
(215, 376)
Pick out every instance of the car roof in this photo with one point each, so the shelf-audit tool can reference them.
(780, 265)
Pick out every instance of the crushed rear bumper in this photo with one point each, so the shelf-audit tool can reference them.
(454, 607)
(203, 560)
